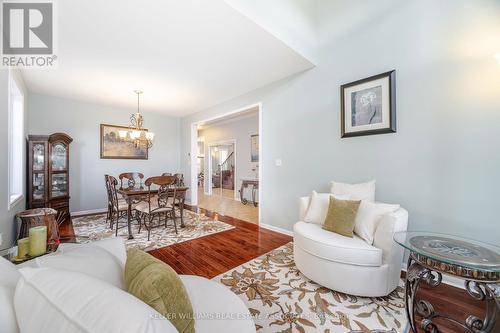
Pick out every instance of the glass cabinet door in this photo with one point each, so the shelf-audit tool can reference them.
(38, 178)
(38, 157)
(59, 157)
(38, 186)
(59, 186)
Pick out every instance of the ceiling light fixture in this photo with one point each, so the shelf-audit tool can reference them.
(137, 134)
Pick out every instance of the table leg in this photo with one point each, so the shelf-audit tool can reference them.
(181, 209)
(488, 292)
(242, 199)
(129, 219)
(254, 189)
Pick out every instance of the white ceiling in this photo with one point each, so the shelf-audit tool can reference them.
(186, 55)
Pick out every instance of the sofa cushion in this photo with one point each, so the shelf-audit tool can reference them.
(88, 259)
(9, 276)
(318, 206)
(361, 191)
(368, 217)
(114, 245)
(52, 300)
(210, 300)
(158, 285)
(331, 246)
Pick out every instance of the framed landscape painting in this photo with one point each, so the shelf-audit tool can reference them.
(114, 147)
(368, 106)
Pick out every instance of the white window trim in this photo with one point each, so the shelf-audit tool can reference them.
(13, 199)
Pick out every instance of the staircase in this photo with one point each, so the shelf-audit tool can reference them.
(224, 176)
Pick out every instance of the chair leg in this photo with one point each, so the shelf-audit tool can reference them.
(149, 228)
(175, 222)
(109, 217)
(117, 219)
(139, 219)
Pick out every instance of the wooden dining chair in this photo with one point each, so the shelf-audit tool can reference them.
(116, 208)
(130, 178)
(179, 179)
(159, 203)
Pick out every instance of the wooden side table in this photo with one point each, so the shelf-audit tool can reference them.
(431, 256)
(39, 217)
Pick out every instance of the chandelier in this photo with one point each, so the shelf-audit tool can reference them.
(137, 134)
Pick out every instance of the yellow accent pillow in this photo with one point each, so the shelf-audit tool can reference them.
(158, 285)
(341, 216)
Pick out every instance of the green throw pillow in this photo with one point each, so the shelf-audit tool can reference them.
(158, 285)
(341, 216)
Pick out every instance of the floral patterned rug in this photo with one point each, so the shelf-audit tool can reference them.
(281, 299)
(94, 227)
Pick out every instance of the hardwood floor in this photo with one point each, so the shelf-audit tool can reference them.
(215, 254)
(212, 255)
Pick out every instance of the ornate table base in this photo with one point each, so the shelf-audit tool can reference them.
(255, 186)
(482, 286)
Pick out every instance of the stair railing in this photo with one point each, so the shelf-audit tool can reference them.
(228, 164)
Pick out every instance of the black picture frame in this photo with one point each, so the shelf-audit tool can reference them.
(391, 128)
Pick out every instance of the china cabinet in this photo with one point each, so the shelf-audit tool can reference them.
(48, 173)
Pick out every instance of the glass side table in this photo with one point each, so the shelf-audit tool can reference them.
(432, 255)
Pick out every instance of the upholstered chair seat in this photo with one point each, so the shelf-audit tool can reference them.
(143, 207)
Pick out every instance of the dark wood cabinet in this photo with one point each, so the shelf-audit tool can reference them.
(48, 173)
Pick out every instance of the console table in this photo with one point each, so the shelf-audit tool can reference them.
(246, 182)
(431, 256)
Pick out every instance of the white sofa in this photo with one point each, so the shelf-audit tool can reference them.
(219, 308)
(350, 265)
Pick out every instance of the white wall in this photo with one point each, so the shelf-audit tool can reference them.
(81, 121)
(442, 164)
(239, 130)
(8, 225)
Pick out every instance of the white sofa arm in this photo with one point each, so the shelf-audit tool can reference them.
(303, 205)
(388, 225)
(392, 253)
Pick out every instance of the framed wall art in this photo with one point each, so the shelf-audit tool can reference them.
(114, 147)
(368, 106)
(254, 148)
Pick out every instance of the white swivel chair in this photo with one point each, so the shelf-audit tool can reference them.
(350, 265)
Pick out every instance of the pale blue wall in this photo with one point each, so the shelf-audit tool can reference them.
(443, 164)
(81, 121)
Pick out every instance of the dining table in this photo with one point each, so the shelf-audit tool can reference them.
(135, 193)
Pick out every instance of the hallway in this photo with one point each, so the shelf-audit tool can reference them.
(226, 205)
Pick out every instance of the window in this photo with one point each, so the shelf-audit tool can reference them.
(16, 141)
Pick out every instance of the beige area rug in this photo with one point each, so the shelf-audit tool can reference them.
(92, 228)
(281, 299)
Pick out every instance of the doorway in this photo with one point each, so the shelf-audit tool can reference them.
(225, 164)
(222, 169)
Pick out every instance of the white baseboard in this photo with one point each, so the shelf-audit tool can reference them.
(277, 229)
(447, 279)
(88, 212)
